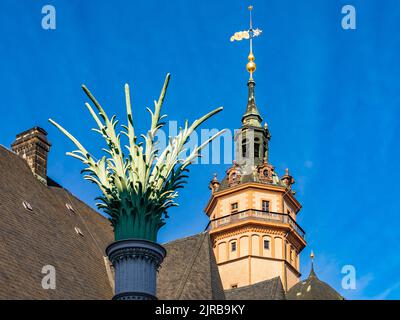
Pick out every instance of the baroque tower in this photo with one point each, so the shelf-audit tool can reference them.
(252, 211)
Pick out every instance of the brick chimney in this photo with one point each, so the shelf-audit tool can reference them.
(33, 146)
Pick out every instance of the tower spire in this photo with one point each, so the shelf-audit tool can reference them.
(252, 116)
(248, 35)
(252, 143)
(251, 65)
(312, 272)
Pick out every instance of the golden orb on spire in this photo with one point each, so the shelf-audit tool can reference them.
(251, 65)
(251, 56)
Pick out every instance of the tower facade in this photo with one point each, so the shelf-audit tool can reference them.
(253, 211)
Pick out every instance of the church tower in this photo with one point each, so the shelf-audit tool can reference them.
(252, 211)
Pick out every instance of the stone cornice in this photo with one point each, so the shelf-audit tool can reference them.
(258, 226)
(263, 258)
(240, 187)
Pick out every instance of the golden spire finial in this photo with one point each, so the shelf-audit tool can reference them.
(248, 34)
(312, 272)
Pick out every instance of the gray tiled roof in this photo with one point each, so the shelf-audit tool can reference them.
(312, 289)
(189, 270)
(271, 289)
(46, 235)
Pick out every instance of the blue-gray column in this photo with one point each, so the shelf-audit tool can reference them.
(136, 263)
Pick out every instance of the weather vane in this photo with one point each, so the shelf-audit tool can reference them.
(248, 35)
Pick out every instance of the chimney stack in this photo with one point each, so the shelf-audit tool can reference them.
(33, 146)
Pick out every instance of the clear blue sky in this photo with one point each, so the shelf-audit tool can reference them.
(331, 98)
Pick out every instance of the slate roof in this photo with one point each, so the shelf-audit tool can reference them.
(271, 289)
(30, 240)
(190, 271)
(312, 289)
(46, 235)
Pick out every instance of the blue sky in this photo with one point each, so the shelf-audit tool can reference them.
(330, 97)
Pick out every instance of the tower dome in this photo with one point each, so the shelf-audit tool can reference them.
(313, 289)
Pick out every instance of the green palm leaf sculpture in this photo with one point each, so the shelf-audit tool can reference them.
(139, 186)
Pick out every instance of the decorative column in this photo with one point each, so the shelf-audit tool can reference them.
(136, 263)
(137, 190)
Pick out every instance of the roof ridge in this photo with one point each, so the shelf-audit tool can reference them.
(52, 187)
(184, 238)
(214, 272)
(189, 267)
(251, 285)
(14, 154)
(274, 289)
(4, 147)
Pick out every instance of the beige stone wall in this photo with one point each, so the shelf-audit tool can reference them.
(274, 198)
(252, 199)
(223, 206)
(248, 243)
(278, 247)
(244, 245)
(262, 269)
(222, 254)
(250, 246)
(225, 203)
(289, 208)
(235, 273)
(255, 244)
(292, 278)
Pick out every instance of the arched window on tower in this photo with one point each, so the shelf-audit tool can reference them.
(264, 149)
(256, 147)
(244, 148)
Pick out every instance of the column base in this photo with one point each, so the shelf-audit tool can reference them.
(134, 296)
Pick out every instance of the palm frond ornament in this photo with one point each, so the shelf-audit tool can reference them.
(138, 184)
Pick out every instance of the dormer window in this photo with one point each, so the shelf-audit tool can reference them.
(266, 172)
(70, 207)
(234, 178)
(79, 231)
(27, 206)
(234, 174)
